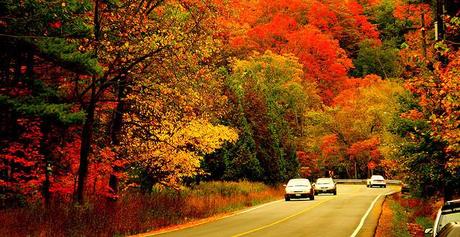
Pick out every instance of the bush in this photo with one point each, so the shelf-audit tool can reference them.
(134, 212)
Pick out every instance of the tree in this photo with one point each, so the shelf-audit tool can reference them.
(381, 60)
(438, 100)
(101, 47)
(34, 48)
(173, 112)
(345, 21)
(349, 145)
(429, 124)
(156, 30)
(270, 98)
(292, 27)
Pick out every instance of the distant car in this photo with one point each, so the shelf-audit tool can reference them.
(325, 185)
(376, 180)
(449, 212)
(405, 188)
(299, 188)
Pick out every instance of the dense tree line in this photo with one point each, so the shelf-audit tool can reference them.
(102, 96)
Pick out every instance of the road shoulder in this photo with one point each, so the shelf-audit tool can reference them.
(197, 222)
(371, 222)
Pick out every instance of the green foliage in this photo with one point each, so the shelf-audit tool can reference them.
(421, 156)
(33, 17)
(51, 30)
(381, 60)
(270, 100)
(400, 220)
(424, 221)
(67, 55)
(390, 28)
(45, 103)
(243, 163)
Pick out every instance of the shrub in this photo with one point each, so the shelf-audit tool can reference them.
(134, 212)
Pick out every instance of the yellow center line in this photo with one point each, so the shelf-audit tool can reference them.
(284, 219)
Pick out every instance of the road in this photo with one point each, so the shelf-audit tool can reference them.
(347, 214)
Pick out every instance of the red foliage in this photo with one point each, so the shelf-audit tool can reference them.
(329, 146)
(23, 161)
(412, 12)
(313, 31)
(351, 89)
(366, 150)
(56, 24)
(308, 163)
(345, 20)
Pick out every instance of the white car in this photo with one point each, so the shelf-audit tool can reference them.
(325, 185)
(299, 188)
(376, 180)
(448, 213)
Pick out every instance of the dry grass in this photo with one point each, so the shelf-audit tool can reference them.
(134, 212)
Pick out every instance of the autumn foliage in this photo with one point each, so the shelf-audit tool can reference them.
(313, 31)
(112, 100)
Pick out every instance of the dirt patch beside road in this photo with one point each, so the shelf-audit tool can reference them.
(385, 221)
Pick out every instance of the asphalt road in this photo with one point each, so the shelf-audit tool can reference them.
(347, 214)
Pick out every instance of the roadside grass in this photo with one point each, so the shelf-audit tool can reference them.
(424, 222)
(410, 215)
(400, 218)
(135, 212)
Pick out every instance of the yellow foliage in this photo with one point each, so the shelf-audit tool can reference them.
(172, 119)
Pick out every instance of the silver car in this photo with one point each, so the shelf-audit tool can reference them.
(325, 185)
(376, 180)
(448, 213)
(299, 188)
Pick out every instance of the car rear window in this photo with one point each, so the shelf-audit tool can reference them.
(298, 183)
(324, 181)
(377, 177)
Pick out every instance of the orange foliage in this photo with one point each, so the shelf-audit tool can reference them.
(351, 88)
(439, 95)
(412, 114)
(308, 163)
(313, 31)
(345, 20)
(329, 146)
(412, 12)
(366, 149)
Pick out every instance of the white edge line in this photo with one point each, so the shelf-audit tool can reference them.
(205, 222)
(361, 223)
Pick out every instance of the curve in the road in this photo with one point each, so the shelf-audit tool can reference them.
(328, 215)
(363, 219)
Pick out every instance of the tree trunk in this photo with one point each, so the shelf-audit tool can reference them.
(448, 192)
(356, 170)
(85, 148)
(30, 66)
(87, 133)
(116, 127)
(46, 186)
(44, 149)
(439, 21)
(423, 36)
(147, 182)
(17, 67)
